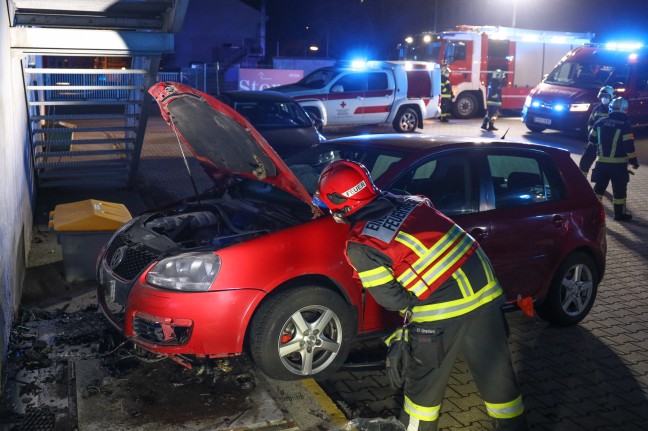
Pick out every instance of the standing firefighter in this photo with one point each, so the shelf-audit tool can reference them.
(611, 143)
(493, 100)
(605, 95)
(446, 94)
(413, 259)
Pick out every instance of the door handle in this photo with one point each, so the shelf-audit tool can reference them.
(479, 233)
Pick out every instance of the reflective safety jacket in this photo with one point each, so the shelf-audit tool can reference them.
(600, 111)
(494, 93)
(416, 257)
(446, 88)
(611, 140)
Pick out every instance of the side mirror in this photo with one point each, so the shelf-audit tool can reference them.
(337, 89)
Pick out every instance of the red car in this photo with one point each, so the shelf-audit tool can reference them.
(254, 265)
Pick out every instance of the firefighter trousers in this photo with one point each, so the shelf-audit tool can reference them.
(483, 342)
(617, 173)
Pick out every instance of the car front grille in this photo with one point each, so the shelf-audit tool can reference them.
(127, 261)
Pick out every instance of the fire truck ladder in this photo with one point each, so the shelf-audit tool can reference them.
(87, 125)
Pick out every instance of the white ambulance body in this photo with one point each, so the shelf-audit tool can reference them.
(401, 93)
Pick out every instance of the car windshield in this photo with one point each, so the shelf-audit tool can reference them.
(273, 114)
(587, 75)
(307, 165)
(318, 78)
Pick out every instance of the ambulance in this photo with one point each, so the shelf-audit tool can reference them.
(400, 93)
(565, 99)
(474, 52)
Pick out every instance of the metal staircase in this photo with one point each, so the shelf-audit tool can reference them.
(87, 125)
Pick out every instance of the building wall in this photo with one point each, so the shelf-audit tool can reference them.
(16, 184)
(208, 26)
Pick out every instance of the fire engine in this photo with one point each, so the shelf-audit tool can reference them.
(474, 52)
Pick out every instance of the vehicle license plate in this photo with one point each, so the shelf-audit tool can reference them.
(542, 120)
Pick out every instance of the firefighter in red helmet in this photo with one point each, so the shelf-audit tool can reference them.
(413, 259)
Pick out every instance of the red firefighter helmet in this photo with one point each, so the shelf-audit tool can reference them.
(345, 187)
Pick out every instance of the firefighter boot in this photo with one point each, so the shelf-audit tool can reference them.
(620, 214)
(491, 125)
(485, 123)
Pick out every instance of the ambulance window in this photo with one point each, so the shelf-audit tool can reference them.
(376, 81)
(352, 82)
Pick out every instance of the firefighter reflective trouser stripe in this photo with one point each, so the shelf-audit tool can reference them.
(483, 342)
(473, 297)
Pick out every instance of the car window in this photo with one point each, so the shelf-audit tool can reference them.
(521, 180)
(308, 164)
(273, 114)
(447, 180)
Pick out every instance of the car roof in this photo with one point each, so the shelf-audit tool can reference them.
(257, 96)
(416, 142)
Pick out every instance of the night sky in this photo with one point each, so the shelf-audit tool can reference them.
(372, 28)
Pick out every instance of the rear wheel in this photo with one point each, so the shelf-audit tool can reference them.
(302, 332)
(406, 120)
(572, 291)
(465, 106)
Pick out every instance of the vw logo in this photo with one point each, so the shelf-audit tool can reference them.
(118, 256)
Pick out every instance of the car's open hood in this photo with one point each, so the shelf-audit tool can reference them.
(222, 140)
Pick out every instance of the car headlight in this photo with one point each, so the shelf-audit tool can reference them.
(190, 272)
(579, 107)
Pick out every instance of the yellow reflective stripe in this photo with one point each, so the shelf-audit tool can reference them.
(615, 141)
(488, 269)
(631, 155)
(458, 307)
(628, 136)
(463, 283)
(437, 249)
(508, 410)
(603, 159)
(399, 334)
(427, 414)
(443, 265)
(411, 242)
(619, 200)
(375, 277)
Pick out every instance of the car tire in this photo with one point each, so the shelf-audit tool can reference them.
(572, 292)
(406, 120)
(536, 129)
(311, 323)
(465, 106)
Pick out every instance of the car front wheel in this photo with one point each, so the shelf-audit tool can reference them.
(572, 292)
(406, 120)
(536, 129)
(301, 332)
